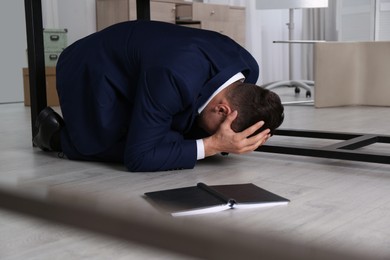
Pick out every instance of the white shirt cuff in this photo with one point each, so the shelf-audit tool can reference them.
(200, 149)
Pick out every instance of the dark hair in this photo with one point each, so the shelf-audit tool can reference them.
(254, 103)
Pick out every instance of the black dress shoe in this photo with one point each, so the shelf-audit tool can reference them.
(48, 125)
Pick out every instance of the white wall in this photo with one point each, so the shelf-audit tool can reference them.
(262, 28)
(13, 50)
(78, 16)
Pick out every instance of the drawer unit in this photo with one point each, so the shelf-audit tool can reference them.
(109, 12)
(201, 12)
(55, 39)
(51, 58)
(159, 11)
(191, 24)
(163, 12)
(224, 19)
(237, 30)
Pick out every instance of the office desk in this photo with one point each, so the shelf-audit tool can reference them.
(38, 102)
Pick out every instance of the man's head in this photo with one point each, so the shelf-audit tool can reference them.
(253, 104)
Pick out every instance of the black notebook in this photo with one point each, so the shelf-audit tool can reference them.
(202, 198)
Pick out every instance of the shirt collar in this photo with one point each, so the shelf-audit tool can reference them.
(238, 76)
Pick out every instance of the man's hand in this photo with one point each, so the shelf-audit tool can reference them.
(226, 140)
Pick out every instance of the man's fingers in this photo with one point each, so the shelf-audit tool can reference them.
(253, 143)
(230, 118)
(265, 139)
(253, 128)
(259, 142)
(259, 139)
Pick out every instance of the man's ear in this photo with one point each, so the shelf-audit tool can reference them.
(223, 109)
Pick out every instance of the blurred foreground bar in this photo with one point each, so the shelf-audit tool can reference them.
(187, 237)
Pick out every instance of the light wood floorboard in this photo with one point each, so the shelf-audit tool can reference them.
(334, 203)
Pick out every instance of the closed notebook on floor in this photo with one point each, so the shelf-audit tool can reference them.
(202, 198)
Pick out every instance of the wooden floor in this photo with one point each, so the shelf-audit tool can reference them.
(341, 205)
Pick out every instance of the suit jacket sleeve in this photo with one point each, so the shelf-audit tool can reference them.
(151, 143)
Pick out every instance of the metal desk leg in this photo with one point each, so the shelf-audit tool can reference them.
(36, 58)
(143, 10)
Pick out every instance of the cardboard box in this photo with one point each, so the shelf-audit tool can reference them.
(51, 87)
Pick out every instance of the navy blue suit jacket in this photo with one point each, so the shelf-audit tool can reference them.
(139, 84)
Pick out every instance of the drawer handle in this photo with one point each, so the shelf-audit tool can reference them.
(53, 56)
(54, 37)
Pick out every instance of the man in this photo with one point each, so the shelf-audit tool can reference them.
(157, 96)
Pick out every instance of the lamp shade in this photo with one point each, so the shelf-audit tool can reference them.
(287, 4)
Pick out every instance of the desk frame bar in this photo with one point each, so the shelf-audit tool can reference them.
(36, 58)
(143, 10)
(344, 150)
